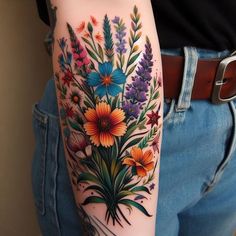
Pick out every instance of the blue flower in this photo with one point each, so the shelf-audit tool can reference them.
(106, 80)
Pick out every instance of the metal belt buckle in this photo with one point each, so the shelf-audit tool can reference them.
(219, 80)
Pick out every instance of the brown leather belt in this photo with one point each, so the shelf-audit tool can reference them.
(215, 79)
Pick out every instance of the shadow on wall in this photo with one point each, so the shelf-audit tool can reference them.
(24, 68)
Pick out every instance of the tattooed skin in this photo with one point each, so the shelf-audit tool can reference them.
(108, 90)
(53, 20)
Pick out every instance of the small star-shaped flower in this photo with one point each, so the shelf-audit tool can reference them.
(67, 78)
(154, 117)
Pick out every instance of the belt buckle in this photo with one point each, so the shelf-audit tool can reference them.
(219, 80)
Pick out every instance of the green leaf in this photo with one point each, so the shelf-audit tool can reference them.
(86, 41)
(92, 54)
(90, 27)
(84, 177)
(93, 199)
(105, 174)
(74, 125)
(100, 52)
(130, 129)
(133, 142)
(140, 189)
(131, 70)
(129, 202)
(124, 193)
(119, 179)
(114, 102)
(133, 59)
(96, 188)
(156, 95)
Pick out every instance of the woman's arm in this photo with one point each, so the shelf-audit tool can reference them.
(107, 67)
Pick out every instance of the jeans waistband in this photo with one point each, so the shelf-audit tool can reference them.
(191, 56)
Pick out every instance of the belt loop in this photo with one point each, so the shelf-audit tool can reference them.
(190, 67)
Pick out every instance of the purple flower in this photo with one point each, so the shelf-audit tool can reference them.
(116, 20)
(120, 35)
(136, 92)
(131, 110)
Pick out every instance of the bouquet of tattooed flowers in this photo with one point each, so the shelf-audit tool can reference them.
(109, 112)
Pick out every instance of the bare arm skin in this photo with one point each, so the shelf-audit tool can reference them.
(107, 66)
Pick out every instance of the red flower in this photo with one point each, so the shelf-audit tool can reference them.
(154, 117)
(81, 27)
(103, 124)
(94, 21)
(69, 111)
(98, 37)
(68, 77)
(86, 34)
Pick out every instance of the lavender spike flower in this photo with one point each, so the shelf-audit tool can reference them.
(120, 35)
(136, 92)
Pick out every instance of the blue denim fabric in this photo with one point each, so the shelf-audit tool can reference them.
(197, 188)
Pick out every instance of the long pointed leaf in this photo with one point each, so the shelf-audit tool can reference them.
(129, 202)
(84, 177)
(93, 199)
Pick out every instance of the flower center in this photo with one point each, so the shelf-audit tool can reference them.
(106, 80)
(104, 124)
(75, 99)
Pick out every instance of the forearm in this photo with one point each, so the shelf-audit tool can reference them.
(107, 66)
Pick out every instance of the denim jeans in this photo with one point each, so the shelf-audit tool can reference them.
(197, 187)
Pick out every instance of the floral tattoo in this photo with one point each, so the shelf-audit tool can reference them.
(108, 101)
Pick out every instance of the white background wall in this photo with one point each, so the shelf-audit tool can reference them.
(24, 69)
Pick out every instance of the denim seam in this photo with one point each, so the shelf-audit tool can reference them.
(54, 176)
(42, 113)
(220, 170)
(40, 116)
(43, 120)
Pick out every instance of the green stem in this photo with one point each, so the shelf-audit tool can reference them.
(95, 48)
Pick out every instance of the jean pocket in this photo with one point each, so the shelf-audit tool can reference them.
(168, 109)
(40, 127)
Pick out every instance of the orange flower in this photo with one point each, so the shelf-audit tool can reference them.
(103, 125)
(98, 37)
(81, 27)
(142, 161)
(86, 35)
(94, 21)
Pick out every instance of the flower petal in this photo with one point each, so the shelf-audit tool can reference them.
(88, 150)
(113, 89)
(91, 128)
(149, 166)
(117, 116)
(105, 68)
(91, 115)
(118, 76)
(129, 161)
(103, 109)
(101, 91)
(147, 156)
(119, 129)
(106, 139)
(80, 154)
(136, 153)
(95, 139)
(94, 79)
(141, 171)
